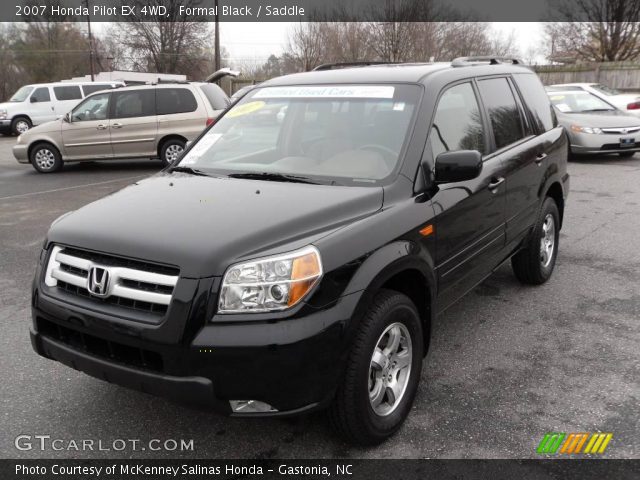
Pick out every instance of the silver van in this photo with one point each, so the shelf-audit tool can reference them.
(39, 103)
(147, 121)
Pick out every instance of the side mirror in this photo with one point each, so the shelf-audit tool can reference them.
(33, 99)
(458, 166)
(67, 118)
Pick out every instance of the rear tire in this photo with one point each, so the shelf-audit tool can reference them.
(534, 264)
(382, 372)
(45, 158)
(626, 154)
(171, 151)
(20, 125)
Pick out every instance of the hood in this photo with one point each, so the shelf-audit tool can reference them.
(204, 224)
(614, 118)
(52, 126)
(9, 106)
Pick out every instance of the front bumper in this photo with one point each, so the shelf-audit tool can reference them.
(292, 364)
(602, 143)
(21, 153)
(5, 126)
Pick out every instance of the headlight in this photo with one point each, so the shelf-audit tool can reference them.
(3, 114)
(579, 129)
(271, 283)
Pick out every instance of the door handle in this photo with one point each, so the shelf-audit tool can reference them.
(540, 157)
(116, 125)
(101, 127)
(495, 183)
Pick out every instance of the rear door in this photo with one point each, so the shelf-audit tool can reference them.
(133, 124)
(516, 144)
(86, 135)
(179, 113)
(470, 215)
(41, 108)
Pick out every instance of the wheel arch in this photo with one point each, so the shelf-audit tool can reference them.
(555, 191)
(166, 138)
(42, 141)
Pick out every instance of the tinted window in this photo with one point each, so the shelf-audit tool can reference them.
(41, 95)
(72, 92)
(175, 100)
(134, 103)
(92, 108)
(503, 111)
(457, 124)
(89, 89)
(216, 96)
(536, 99)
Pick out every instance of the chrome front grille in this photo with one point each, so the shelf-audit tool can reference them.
(621, 130)
(127, 283)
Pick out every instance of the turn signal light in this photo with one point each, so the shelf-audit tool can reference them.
(633, 106)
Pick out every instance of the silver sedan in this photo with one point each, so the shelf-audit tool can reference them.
(595, 126)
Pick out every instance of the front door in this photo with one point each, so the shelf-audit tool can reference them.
(470, 215)
(86, 134)
(134, 124)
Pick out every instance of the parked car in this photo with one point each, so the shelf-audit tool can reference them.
(290, 266)
(148, 121)
(594, 125)
(39, 103)
(627, 102)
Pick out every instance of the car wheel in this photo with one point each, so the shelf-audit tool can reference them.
(171, 151)
(20, 125)
(626, 154)
(535, 262)
(382, 373)
(45, 158)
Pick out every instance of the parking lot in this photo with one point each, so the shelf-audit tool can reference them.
(507, 364)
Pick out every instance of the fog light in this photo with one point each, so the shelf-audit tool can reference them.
(250, 406)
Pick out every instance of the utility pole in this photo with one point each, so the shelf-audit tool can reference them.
(90, 42)
(216, 40)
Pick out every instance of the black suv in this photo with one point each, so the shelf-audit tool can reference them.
(296, 256)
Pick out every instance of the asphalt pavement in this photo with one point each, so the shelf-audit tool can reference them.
(507, 364)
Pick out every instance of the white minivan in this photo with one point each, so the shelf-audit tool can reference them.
(42, 102)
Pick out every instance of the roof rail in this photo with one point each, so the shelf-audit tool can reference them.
(167, 80)
(332, 66)
(481, 60)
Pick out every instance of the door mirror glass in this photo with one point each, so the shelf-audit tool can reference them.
(67, 117)
(458, 166)
(33, 99)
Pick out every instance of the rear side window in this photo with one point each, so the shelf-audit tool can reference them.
(537, 101)
(41, 95)
(134, 103)
(95, 87)
(503, 111)
(175, 100)
(216, 96)
(457, 124)
(71, 92)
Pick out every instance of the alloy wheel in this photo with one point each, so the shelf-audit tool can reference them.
(548, 240)
(173, 152)
(22, 126)
(45, 159)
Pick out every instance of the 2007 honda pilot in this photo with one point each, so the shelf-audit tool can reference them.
(295, 257)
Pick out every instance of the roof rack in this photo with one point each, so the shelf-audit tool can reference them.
(333, 66)
(168, 80)
(481, 60)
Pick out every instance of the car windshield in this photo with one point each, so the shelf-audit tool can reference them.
(21, 95)
(605, 90)
(343, 134)
(578, 102)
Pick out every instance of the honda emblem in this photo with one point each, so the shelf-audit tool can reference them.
(98, 282)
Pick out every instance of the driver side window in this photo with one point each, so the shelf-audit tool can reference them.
(93, 108)
(457, 124)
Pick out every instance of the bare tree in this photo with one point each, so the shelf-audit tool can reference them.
(611, 32)
(307, 44)
(174, 44)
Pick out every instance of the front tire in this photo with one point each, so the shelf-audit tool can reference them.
(382, 373)
(45, 158)
(171, 151)
(534, 264)
(20, 125)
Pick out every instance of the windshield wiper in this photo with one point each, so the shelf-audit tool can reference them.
(192, 171)
(275, 177)
(597, 110)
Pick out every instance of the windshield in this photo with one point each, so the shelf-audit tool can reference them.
(604, 89)
(341, 134)
(578, 102)
(21, 95)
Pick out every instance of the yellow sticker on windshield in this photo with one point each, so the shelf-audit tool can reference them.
(245, 109)
(557, 97)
